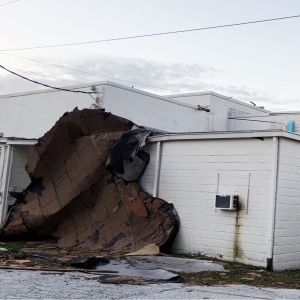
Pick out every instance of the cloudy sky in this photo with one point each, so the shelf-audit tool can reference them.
(256, 62)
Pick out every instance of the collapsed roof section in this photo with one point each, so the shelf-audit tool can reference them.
(74, 197)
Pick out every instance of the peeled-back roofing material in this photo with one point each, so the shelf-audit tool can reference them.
(74, 198)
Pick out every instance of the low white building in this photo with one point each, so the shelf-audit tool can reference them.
(211, 145)
(261, 167)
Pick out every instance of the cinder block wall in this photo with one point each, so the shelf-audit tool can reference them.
(189, 179)
(287, 220)
(31, 115)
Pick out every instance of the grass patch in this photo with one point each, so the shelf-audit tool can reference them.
(242, 274)
(13, 250)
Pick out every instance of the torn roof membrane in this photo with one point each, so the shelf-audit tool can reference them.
(73, 197)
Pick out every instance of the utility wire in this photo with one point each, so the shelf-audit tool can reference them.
(47, 76)
(9, 3)
(244, 119)
(89, 73)
(156, 34)
(46, 85)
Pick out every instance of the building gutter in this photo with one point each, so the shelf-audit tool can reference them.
(157, 169)
(273, 199)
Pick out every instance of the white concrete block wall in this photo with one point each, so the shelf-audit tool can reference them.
(154, 111)
(287, 222)
(189, 179)
(31, 115)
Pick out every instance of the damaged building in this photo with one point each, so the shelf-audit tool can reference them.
(204, 148)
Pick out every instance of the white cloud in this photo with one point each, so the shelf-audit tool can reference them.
(167, 77)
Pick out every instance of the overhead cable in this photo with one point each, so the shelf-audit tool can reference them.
(245, 119)
(155, 34)
(9, 3)
(46, 85)
(46, 75)
(89, 73)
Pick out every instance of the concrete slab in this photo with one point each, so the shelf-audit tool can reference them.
(176, 264)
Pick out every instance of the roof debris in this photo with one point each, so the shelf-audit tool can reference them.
(83, 191)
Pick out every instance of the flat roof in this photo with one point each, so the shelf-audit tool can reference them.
(222, 135)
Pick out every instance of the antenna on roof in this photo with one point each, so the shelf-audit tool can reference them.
(253, 103)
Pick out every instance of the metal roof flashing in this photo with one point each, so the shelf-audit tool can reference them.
(222, 135)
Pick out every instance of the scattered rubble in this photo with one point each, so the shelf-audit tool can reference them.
(84, 198)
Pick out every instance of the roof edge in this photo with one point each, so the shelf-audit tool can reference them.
(222, 135)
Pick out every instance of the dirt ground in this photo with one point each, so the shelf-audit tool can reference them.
(235, 273)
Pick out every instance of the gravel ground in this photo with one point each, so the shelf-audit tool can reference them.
(54, 285)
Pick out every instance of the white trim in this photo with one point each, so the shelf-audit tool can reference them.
(248, 116)
(157, 169)
(17, 141)
(21, 142)
(295, 112)
(223, 135)
(5, 182)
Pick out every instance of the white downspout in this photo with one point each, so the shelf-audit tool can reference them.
(273, 203)
(5, 182)
(157, 167)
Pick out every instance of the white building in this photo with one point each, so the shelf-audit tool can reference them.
(261, 167)
(211, 144)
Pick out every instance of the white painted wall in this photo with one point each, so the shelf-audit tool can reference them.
(222, 108)
(189, 179)
(272, 121)
(222, 104)
(250, 123)
(202, 99)
(154, 111)
(287, 221)
(32, 115)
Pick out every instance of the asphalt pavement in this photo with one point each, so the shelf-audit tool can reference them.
(16, 284)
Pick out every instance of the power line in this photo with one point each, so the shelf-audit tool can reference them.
(46, 76)
(9, 3)
(244, 119)
(156, 34)
(46, 85)
(88, 73)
